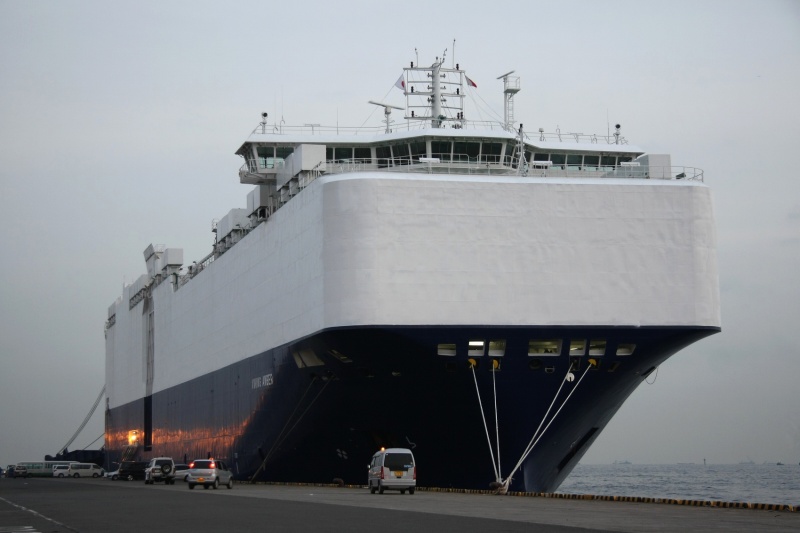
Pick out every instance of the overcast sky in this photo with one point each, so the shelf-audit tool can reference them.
(119, 123)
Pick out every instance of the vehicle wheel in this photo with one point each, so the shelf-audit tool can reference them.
(402, 491)
(380, 488)
(95, 475)
(411, 490)
(76, 476)
(191, 486)
(61, 475)
(216, 484)
(230, 484)
(114, 478)
(130, 477)
(166, 469)
(372, 489)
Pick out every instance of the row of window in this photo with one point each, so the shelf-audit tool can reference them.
(539, 348)
(579, 161)
(456, 151)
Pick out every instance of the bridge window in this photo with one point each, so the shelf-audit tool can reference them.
(559, 161)
(282, 152)
(362, 153)
(575, 160)
(266, 156)
(401, 154)
(547, 347)
(342, 153)
(383, 154)
(419, 149)
(591, 162)
(466, 151)
(510, 153)
(608, 162)
(441, 149)
(490, 152)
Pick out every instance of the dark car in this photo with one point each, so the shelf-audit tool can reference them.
(131, 470)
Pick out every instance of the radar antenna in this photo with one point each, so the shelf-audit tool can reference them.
(387, 111)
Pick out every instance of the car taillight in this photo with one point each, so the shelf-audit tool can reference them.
(212, 465)
(191, 465)
(382, 470)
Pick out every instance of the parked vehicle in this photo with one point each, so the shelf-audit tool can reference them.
(84, 470)
(209, 473)
(113, 476)
(160, 469)
(181, 472)
(20, 471)
(392, 469)
(132, 470)
(41, 468)
(9, 471)
(61, 471)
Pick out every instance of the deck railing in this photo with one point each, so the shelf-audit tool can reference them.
(416, 125)
(494, 165)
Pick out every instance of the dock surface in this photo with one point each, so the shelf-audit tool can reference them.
(99, 505)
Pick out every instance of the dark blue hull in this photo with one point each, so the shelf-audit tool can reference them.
(317, 409)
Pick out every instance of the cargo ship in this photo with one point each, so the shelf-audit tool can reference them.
(484, 295)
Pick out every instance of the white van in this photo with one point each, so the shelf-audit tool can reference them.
(393, 469)
(84, 470)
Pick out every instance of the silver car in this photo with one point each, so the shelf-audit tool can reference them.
(209, 473)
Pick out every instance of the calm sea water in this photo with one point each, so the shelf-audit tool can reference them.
(778, 484)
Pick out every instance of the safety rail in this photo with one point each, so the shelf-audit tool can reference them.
(508, 166)
(415, 125)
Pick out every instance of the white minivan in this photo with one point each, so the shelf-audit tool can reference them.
(84, 470)
(392, 469)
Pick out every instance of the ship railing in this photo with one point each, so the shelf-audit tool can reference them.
(494, 165)
(195, 268)
(580, 138)
(421, 123)
(641, 172)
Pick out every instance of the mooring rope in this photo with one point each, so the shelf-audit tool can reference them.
(495, 364)
(535, 439)
(473, 364)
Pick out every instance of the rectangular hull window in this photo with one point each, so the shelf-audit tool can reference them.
(577, 347)
(446, 348)
(597, 347)
(546, 347)
(625, 349)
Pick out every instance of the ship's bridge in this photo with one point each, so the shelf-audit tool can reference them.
(451, 150)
